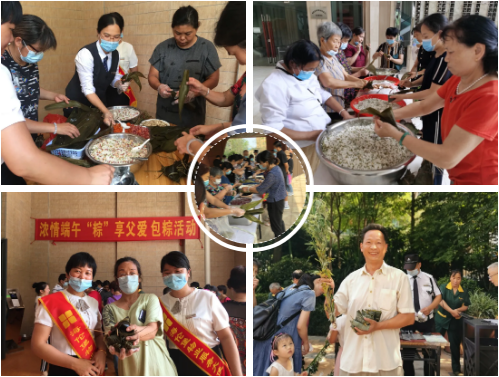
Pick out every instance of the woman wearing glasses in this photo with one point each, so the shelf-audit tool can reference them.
(97, 68)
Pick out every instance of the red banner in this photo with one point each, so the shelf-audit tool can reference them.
(116, 229)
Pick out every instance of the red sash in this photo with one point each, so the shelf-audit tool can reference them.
(69, 321)
(197, 351)
(129, 91)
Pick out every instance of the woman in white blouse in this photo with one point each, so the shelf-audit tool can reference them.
(128, 63)
(291, 98)
(61, 356)
(97, 68)
(200, 312)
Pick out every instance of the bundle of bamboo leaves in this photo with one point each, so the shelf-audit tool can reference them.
(163, 138)
(251, 212)
(135, 76)
(87, 120)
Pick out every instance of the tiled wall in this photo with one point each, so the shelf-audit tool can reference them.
(147, 23)
(43, 261)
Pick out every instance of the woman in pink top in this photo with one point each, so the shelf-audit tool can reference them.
(115, 290)
(355, 53)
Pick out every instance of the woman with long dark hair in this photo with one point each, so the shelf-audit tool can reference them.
(143, 311)
(203, 321)
(469, 99)
(275, 186)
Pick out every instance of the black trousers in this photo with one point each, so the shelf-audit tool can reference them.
(424, 327)
(276, 210)
(9, 178)
(56, 370)
(185, 367)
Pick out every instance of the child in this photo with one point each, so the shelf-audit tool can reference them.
(337, 334)
(283, 349)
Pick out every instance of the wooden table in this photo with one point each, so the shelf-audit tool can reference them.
(411, 347)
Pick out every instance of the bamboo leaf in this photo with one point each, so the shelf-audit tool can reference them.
(251, 205)
(386, 116)
(64, 105)
(183, 90)
(253, 219)
(406, 75)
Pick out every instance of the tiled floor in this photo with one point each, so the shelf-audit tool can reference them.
(25, 363)
(296, 203)
(327, 364)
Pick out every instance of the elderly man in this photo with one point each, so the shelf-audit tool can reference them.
(376, 286)
(492, 270)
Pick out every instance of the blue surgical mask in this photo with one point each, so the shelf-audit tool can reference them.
(206, 183)
(109, 46)
(262, 167)
(65, 285)
(332, 52)
(427, 45)
(304, 75)
(79, 285)
(414, 42)
(390, 41)
(344, 46)
(121, 35)
(413, 272)
(175, 281)
(252, 159)
(228, 172)
(275, 150)
(129, 283)
(32, 57)
(356, 43)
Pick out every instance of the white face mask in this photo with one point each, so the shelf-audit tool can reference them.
(413, 272)
(218, 181)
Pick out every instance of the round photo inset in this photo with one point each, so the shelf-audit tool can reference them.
(250, 191)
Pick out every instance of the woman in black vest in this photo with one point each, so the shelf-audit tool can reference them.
(97, 68)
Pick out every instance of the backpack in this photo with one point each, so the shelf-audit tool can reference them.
(265, 316)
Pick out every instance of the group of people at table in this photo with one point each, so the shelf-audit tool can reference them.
(411, 301)
(185, 332)
(271, 170)
(313, 85)
(99, 67)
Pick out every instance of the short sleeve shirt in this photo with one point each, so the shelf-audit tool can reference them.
(436, 72)
(26, 82)
(213, 191)
(91, 316)
(202, 313)
(455, 301)
(386, 290)
(281, 155)
(361, 59)
(395, 50)
(128, 57)
(335, 69)
(427, 288)
(475, 111)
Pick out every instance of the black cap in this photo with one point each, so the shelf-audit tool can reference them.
(410, 261)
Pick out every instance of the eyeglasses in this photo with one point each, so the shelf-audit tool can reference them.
(26, 45)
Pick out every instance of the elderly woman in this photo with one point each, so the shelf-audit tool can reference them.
(291, 98)
(331, 73)
(469, 119)
(455, 300)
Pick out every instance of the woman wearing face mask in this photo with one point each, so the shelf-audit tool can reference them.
(291, 98)
(146, 325)
(391, 48)
(70, 317)
(128, 63)
(275, 186)
(215, 187)
(436, 74)
(238, 167)
(216, 207)
(226, 168)
(200, 316)
(32, 37)
(186, 50)
(422, 58)
(330, 72)
(357, 57)
(97, 68)
(469, 102)
(293, 319)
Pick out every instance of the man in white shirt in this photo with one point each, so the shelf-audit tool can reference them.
(19, 151)
(426, 297)
(376, 286)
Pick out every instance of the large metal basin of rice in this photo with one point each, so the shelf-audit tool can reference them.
(121, 169)
(347, 176)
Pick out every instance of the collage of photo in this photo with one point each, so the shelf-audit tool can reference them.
(370, 280)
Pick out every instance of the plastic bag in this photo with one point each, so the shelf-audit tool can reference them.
(221, 226)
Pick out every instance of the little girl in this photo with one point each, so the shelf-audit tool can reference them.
(283, 349)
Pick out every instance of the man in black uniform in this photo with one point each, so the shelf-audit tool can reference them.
(427, 297)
